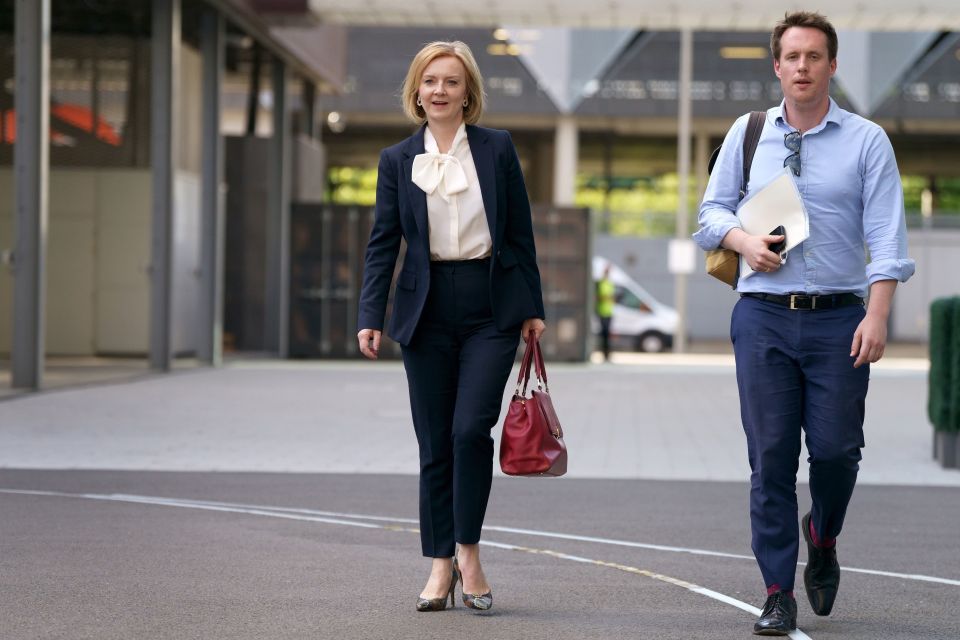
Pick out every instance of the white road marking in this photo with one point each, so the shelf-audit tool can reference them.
(222, 507)
(689, 586)
(307, 515)
(527, 532)
(354, 520)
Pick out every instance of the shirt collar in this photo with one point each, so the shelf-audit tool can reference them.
(834, 115)
(430, 143)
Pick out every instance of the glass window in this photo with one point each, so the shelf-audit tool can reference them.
(629, 299)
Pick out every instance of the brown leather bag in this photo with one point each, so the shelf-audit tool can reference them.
(532, 440)
(724, 264)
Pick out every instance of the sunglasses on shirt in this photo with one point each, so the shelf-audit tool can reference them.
(792, 142)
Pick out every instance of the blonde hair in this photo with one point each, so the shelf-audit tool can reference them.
(426, 55)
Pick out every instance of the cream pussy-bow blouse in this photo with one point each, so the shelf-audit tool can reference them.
(458, 223)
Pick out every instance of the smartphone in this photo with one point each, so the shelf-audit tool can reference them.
(779, 247)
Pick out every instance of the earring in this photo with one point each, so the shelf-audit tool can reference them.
(419, 102)
(465, 103)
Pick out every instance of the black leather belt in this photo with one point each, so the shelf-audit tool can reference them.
(458, 265)
(804, 301)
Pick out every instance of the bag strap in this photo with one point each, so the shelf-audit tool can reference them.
(751, 139)
(524, 378)
(532, 356)
(541, 370)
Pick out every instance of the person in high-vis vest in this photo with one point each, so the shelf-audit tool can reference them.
(605, 300)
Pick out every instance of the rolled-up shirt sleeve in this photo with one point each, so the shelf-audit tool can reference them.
(718, 210)
(884, 224)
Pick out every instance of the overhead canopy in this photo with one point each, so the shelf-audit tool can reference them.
(713, 15)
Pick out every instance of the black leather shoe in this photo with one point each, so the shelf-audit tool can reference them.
(779, 616)
(821, 577)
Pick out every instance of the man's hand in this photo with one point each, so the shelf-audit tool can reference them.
(369, 340)
(754, 249)
(870, 338)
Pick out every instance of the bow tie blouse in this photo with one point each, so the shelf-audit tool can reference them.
(458, 223)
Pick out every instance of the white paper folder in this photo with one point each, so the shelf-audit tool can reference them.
(777, 203)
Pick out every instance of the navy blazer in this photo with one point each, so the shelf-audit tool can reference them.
(401, 211)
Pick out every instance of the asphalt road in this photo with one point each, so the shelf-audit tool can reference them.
(135, 554)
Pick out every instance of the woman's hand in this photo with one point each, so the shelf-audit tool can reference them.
(535, 325)
(369, 340)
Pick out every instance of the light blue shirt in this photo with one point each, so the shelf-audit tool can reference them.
(851, 190)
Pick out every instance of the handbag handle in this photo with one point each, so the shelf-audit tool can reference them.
(524, 378)
(540, 369)
(532, 355)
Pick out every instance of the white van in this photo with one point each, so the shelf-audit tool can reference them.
(640, 321)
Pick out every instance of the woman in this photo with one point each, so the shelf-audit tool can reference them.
(468, 290)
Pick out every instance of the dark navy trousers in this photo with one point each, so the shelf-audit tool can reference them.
(457, 366)
(795, 372)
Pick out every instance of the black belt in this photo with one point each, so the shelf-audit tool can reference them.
(804, 301)
(455, 265)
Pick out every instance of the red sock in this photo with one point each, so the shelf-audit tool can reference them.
(828, 543)
(772, 589)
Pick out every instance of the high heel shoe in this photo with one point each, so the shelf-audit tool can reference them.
(481, 602)
(439, 604)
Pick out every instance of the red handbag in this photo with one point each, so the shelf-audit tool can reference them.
(532, 440)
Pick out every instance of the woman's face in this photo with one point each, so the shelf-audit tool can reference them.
(442, 90)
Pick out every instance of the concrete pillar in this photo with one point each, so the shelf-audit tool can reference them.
(210, 347)
(683, 171)
(566, 149)
(31, 178)
(277, 294)
(164, 131)
(701, 157)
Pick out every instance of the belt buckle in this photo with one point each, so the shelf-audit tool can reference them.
(795, 296)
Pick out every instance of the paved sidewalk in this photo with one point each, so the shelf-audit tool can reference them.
(644, 416)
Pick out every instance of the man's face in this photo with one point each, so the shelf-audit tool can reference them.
(804, 67)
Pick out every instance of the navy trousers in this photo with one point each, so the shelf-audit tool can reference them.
(794, 371)
(457, 366)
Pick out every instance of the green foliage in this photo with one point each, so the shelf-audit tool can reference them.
(351, 185)
(638, 205)
(947, 190)
(913, 187)
(953, 355)
(943, 404)
(647, 205)
(641, 206)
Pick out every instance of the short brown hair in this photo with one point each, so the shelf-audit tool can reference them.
(810, 19)
(426, 55)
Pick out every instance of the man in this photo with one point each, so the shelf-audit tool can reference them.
(802, 339)
(605, 302)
